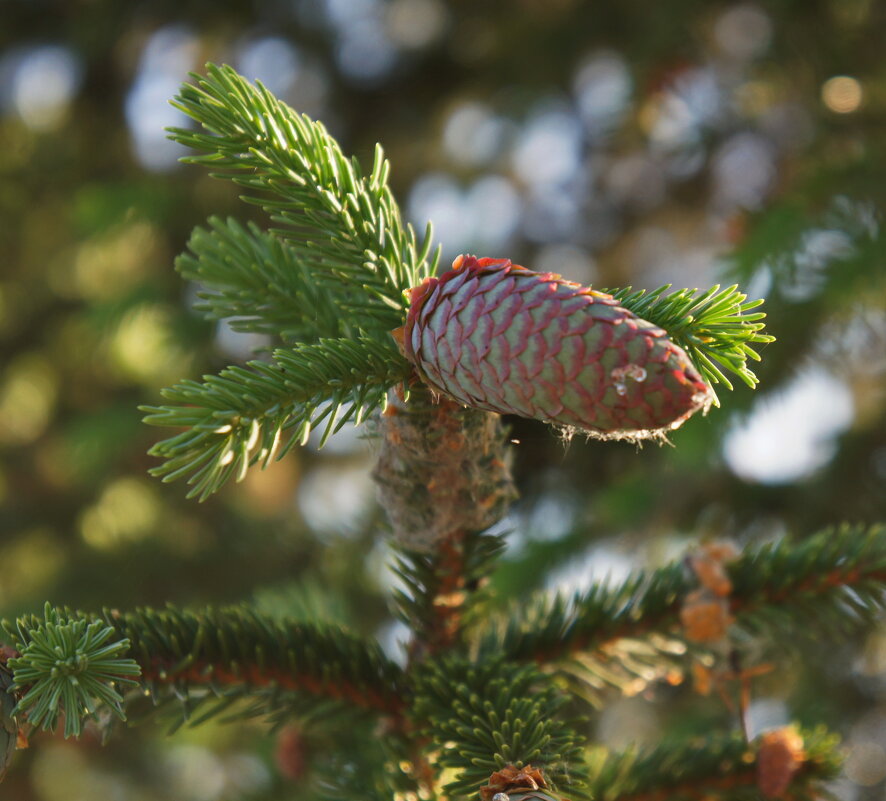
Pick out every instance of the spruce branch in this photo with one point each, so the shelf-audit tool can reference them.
(344, 224)
(716, 328)
(332, 281)
(444, 478)
(207, 661)
(835, 577)
(716, 767)
(813, 251)
(440, 588)
(68, 667)
(261, 285)
(482, 717)
(254, 414)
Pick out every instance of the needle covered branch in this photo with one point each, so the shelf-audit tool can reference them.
(835, 577)
(210, 660)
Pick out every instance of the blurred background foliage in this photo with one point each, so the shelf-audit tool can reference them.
(615, 142)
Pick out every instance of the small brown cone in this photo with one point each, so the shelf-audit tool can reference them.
(779, 757)
(289, 755)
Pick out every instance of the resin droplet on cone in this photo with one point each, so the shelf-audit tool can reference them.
(496, 336)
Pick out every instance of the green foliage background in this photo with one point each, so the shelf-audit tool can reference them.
(94, 321)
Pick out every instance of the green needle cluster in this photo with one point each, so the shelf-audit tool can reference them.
(69, 667)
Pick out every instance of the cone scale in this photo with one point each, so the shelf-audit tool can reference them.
(493, 335)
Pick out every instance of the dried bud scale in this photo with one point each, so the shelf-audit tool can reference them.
(705, 612)
(442, 469)
(492, 335)
(705, 617)
(515, 783)
(709, 566)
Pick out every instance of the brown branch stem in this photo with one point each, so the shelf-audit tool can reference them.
(207, 673)
(447, 598)
(669, 615)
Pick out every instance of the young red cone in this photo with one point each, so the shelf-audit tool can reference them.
(496, 336)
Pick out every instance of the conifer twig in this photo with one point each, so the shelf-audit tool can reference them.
(226, 656)
(717, 767)
(347, 226)
(443, 478)
(66, 666)
(260, 284)
(837, 573)
(257, 413)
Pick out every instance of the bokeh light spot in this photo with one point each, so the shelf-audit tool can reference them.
(494, 207)
(196, 772)
(168, 55)
(365, 53)
(637, 181)
(106, 265)
(292, 74)
(790, 435)
(144, 347)
(272, 60)
(127, 511)
(31, 562)
(44, 84)
(743, 32)
(866, 763)
(27, 398)
(415, 24)
(679, 114)
(743, 170)
(472, 134)
(602, 87)
(336, 498)
(436, 196)
(842, 94)
(548, 150)
(570, 261)
(482, 217)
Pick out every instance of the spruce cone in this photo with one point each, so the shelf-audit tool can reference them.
(496, 336)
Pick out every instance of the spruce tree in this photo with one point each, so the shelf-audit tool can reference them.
(371, 330)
